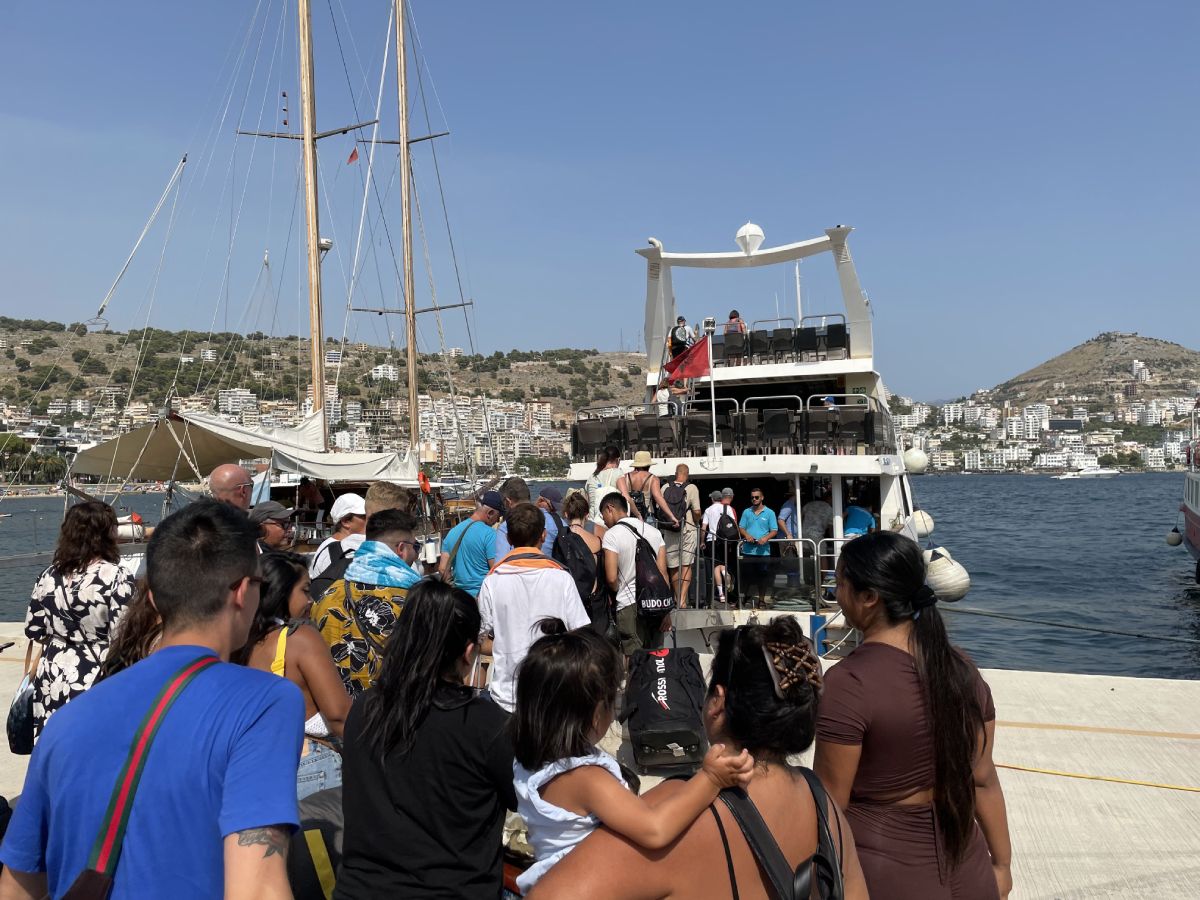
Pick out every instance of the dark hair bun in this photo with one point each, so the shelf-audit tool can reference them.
(551, 626)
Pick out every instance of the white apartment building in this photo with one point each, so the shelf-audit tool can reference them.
(1140, 371)
(233, 401)
(1155, 458)
(333, 357)
(353, 413)
(208, 355)
(81, 405)
(943, 459)
(1057, 460)
(56, 408)
(385, 372)
(952, 412)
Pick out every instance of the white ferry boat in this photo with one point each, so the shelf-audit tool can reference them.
(790, 405)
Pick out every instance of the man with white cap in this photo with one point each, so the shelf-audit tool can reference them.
(349, 515)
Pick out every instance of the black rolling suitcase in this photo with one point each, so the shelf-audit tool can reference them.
(664, 699)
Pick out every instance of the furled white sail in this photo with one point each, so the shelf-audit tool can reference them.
(187, 446)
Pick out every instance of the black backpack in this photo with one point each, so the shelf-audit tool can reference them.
(676, 496)
(654, 595)
(573, 552)
(664, 697)
(335, 571)
(727, 529)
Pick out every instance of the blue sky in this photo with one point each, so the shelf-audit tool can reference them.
(1022, 175)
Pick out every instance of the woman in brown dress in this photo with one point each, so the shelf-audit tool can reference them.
(904, 738)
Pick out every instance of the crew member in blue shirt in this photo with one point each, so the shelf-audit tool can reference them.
(758, 525)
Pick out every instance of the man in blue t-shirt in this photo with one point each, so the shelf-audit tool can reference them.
(516, 490)
(757, 525)
(216, 801)
(471, 544)
(857, 521)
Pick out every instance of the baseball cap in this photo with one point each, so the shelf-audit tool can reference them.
(726, 492)
(270, 510)
(714, 496)
(552, 494)
(493, 500)
(681, 320)
(348, 505)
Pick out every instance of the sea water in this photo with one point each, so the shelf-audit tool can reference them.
(1082, 552)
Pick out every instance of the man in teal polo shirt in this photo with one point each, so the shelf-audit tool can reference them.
(758, 525)
(470, 547)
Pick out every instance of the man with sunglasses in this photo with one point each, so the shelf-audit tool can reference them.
(278, 530)
(359, 611)
(231, 484)
(757, 526)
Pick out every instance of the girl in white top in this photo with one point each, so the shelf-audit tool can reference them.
(603, 482)
(565, 785)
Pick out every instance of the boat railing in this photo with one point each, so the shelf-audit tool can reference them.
(780, 340)
(778, 423)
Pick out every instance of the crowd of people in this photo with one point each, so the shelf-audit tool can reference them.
(203, 705)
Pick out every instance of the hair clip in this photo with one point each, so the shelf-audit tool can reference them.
(774, 674)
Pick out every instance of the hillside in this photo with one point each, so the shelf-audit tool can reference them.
(1103, 366)
(42, 361)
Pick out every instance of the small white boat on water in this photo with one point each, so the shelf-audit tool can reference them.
(1088, 472)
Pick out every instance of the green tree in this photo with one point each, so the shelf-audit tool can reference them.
(23, 364)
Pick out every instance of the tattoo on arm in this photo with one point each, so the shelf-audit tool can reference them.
(274, 838)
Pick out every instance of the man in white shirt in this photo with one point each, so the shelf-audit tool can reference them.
(620, 545)
(720, 551)
(525, 587)
(349, 514)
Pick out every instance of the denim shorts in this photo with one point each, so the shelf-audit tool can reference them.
(320, 768)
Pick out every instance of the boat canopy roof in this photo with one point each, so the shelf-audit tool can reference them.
(187, 445)
(660, 296)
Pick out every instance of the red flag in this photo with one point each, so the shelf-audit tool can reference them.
(353, 156)
(691, 363)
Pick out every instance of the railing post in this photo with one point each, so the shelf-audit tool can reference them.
(816, 627)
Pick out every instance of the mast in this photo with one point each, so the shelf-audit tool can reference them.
(410, 306)
(308, 116)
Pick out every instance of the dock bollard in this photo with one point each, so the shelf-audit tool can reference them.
(816, 627)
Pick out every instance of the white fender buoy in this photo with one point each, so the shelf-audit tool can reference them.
(916, 460)
(1174, 538)
(948, 579)
(923, 522)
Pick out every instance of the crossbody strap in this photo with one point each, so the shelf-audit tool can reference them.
(107, 848)
(787, 883)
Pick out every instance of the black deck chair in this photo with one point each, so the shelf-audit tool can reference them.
(782, 343)
(760, 344)
(735, 345)
(836, 339)
(807, 341)
(777, 429)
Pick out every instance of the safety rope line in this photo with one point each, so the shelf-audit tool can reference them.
(1109, 778)
(1100, 729)
(946, 607)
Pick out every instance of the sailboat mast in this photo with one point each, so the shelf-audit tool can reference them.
(308, 117)
(410, 305)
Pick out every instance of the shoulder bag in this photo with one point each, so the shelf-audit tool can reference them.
(786, 883)
(95, 882)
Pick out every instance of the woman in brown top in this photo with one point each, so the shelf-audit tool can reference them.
(762, 697)
(904, 738)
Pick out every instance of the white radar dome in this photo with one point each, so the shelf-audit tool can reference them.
(749, 238)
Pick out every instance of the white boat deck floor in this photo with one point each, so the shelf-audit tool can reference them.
(1073, 838)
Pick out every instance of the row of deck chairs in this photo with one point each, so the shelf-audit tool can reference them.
(782, 345)
(751, 431)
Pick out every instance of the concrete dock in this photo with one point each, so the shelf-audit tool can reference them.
(1101, 776)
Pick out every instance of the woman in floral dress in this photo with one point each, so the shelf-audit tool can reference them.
(75, 607)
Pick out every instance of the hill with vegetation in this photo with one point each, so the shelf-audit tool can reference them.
(1103, 366)
(42, 361)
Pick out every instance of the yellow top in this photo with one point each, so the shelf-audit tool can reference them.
(280, 652)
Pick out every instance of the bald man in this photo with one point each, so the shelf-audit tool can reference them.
(231, 484)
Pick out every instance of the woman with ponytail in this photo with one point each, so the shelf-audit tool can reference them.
(904, 739)
(427, 768)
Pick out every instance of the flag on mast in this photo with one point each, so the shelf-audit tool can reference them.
(353, 156)
(691, 363)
